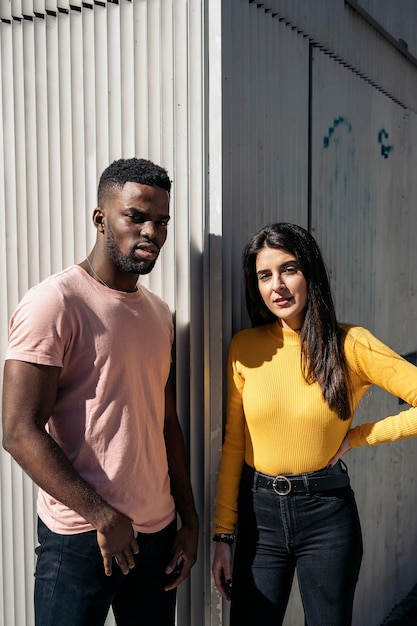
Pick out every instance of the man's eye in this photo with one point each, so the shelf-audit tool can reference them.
(163, 223)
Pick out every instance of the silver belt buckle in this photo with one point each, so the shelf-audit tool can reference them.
(277, 490)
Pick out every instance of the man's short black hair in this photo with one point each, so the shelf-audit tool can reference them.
(140, 171)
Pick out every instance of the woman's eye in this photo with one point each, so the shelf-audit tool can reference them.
(291, 269)
(263, 276)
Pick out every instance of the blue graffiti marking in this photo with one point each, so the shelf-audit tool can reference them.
(385, 149)
(337, 122)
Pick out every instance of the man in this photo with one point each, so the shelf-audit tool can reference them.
(88, 412)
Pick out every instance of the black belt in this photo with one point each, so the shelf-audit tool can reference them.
(310, 482)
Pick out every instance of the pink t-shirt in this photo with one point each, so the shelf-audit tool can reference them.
(114, 349)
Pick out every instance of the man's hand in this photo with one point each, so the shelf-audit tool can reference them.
(118, 541)
(344, 447)
(183, 556)
(222, 568)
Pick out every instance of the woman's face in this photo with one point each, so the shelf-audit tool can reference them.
(282, 286)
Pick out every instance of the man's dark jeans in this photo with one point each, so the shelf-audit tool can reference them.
(317, 535)
(71, 588)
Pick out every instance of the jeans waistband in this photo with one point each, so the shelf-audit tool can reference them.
(309, 482)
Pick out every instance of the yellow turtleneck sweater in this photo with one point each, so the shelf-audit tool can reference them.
(279, 424)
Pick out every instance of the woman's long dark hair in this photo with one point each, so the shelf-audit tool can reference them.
(322, 357)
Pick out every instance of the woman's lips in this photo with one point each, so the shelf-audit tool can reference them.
(283, 301)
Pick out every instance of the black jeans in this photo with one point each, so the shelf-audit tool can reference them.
(318, 535)
(71, 588)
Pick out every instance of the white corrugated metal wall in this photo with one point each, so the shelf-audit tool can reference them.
(81, 85)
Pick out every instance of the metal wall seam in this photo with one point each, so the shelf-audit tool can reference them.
(216, 45)
(377, 19)
(182, 235)
(167, 87)
(114, 84)
(3, 249)
(24, 491)
(127, 86)
(6, 519)
(63, 5)
(37, 125)
(66, 122)
(152, 92)
(101, 88)
(13, 134)
(141, 78)
(20, 154)
(5, 10)
(89, 129)
(51, 193)
(41, 7)
(16, 9)
(154, 44)
(76, 21)
(320, 21)
(196, 210)
(9, 129)
(399, 23)
(244, 151)
(229, 97)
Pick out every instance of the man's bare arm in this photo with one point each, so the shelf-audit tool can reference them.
(29, 395)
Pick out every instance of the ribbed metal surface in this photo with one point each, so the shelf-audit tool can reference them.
(81, 85)
(400, 23)
(265, 134)
(360, 207)
(336, 26)
(363, 198)
(363, 195)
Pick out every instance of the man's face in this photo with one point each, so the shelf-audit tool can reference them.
(136, 220)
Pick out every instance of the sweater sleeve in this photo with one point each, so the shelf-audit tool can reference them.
(233, 452)
(379, 365)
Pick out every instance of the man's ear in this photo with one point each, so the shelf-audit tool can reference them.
(98, 218)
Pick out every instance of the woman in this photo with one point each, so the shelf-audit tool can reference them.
(294, 381)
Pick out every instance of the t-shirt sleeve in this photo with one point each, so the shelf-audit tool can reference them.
(38, 331)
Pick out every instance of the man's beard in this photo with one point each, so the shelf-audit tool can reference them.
(127, 262)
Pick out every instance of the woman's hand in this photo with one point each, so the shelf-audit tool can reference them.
(222, 568)
(344, 447)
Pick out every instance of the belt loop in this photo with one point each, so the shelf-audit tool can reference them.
(343, 465)
(255, 481)
(306, 484)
